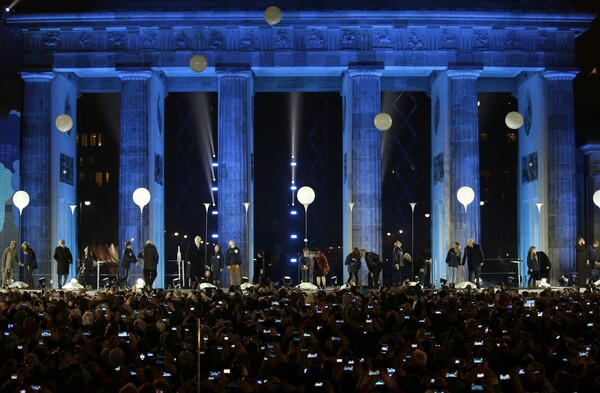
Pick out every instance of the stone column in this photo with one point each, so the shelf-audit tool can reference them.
(235, 157)
(362, 160)
(455, 161)
(562, 199)
(36, 169)
(591, 153)
(134, 161)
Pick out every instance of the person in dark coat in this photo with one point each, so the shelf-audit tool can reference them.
(398, 261)
(533, 266)
(353, 265)
(127, 260)
(419, 266)
(149, 256)
(262, 267)
(216, 265)
(89, 260)
(30, 263)
(582, 263)
(321, 268)
(195, 260)
(452, 263)
(233, 260)
(63, 257)
(374, 265)
(545, 265)
(473, 255)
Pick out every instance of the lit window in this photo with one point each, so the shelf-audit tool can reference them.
(484, 137)
(106, 177)
(511, 137)
(93, 139)
(99, 179)
(99, 140)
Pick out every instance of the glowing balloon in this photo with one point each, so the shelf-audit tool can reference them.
(513, 120)
(596, 198)
(273, 15)
(465, 195)
(306, 195)
(383, 121)
(64, 123)
(21, 200)
(141, 197)
(198, 63)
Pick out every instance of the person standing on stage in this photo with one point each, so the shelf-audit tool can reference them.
(353, 265)
(30, 263)
(398, 261)
(233, 260)
(10, 255)
(195, 261)
(306, 265)
(418, 262)
(262, 267)
(149, 256)
(89, 260)
(63, 257)
(216, 265)
(473, 255)
(533, 266)
(321, 268)
(374, 265)
(127, 260)
(594, 254)
(452, 263)
(582, 263)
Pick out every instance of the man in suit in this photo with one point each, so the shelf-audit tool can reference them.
(195, 260)
(63, 257)
(149, 255)
(473, 255)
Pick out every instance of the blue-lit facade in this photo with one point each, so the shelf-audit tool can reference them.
(451, 55)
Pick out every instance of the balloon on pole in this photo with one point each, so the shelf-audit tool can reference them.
(64, 123)
(273, 15)
(465, 195)
(513, 120)
(383, 121)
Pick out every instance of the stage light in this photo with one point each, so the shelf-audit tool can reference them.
(42, 282)
(215, 189)
(287, 281)
(214, 212)
(294, 212)
(293, 236)
(443, 282)
(177, 283)
(214, 236)
(215, 164)
(293, 163)
(334, 281)
(293, 188)
(294, 260)
(564, 281)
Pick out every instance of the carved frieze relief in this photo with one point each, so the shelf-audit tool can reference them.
(283, 39)
(149, 40)
(84, 42)
(481, 39)
(52, 41)
(350, 39)
(315, 39)
(248, 41)
(216, 40)
(382, 38)
(415, 40)
(117, 41)
(182, 41)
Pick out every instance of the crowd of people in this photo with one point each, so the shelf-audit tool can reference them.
(277, 339)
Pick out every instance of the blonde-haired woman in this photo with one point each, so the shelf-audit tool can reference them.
(452, 263)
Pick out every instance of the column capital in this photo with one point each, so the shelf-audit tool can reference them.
(134, 75)
(366, 70)
(558, 75)
(590, 148)
(37, 76)
(234, 71)
(463, 73)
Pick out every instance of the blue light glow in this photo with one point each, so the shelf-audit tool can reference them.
(294, 236)
(215, 164)
(215, 188)
(294, 260)
(293, 188)
(293, 212)
(215, 236)
(215, 212)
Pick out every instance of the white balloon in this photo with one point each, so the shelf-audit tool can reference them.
(64, 123)
(273, 15)
(21, 200)
(141, 197)
(306, 195)
(596, 198)
(383, 121)
(513, 120)
(465, 195)
(198, 63)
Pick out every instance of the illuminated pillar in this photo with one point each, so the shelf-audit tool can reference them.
(35, 166)
(134, 161)
(591, 153)
(235, 164)
(562, 199)
(455, 156)
(362, 160)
